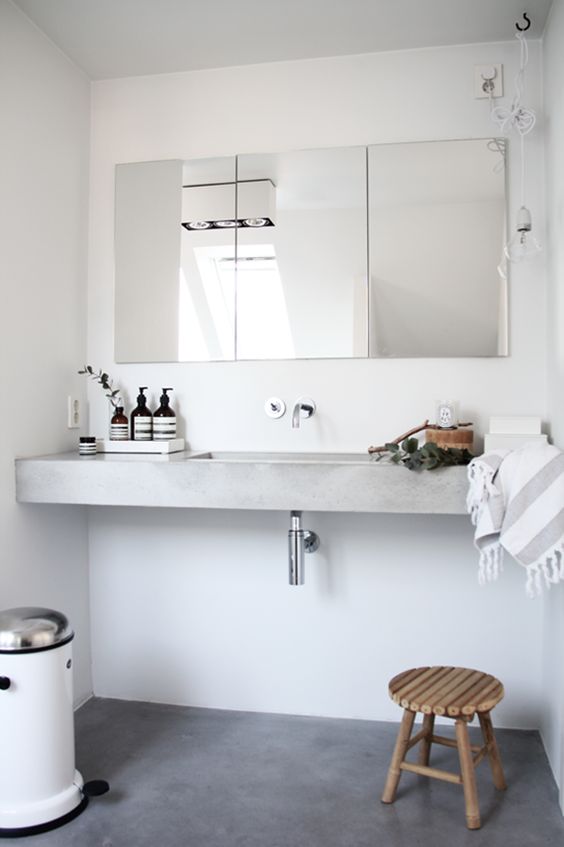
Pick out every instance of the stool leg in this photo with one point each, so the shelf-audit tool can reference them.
(468, 775)
(493, 752)
(398, 756)
(425, 748)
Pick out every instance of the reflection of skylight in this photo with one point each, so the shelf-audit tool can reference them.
(263, 327)
(209, 278)
(206, 305)
(191, 342)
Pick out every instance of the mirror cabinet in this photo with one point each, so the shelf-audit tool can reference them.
(381, 251)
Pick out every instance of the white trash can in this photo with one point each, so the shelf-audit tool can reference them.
(39, 786)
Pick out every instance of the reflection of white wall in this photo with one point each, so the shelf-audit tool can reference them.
(469, 171)
(321, 254)
(435, 287)
(147, 256)
(216, 581)
(322, 264)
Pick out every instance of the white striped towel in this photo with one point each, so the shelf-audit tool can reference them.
(516, 502)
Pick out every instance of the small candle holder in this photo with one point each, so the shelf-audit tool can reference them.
(447, 414)
(87, 445)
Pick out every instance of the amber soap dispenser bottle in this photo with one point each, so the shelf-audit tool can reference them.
(119, 426)
(141, 419)
(164, 419)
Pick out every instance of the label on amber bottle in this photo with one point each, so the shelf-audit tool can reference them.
(164, 429)
(142, 428)
(118, 432)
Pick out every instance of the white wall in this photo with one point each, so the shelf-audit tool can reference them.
(208, 616)
(43, 229)
(553, 713)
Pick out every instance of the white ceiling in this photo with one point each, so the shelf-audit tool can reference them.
(115, 38)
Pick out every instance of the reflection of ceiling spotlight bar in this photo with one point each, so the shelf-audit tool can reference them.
(228, 224)
(256, 222)
(250, 203)
(198, 225)
(256, 203)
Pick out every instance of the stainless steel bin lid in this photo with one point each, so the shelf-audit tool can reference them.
(30, 628)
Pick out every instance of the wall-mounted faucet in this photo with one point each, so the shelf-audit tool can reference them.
(304, 408)
(300, 542)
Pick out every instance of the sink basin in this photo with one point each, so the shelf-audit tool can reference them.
(250, 456)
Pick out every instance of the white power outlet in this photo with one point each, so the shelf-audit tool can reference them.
(488, 79)
(73, 412)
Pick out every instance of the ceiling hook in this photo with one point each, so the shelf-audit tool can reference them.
(524, 28)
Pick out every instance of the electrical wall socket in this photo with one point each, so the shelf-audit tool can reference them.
(73, 412)
(486, 76)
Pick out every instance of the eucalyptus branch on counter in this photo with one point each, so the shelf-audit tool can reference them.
(407, 451)
(104, 380)
(427, 456)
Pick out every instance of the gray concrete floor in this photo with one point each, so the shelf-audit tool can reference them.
(207, 778)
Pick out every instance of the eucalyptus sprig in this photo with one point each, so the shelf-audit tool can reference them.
(428, 456)
(104, 380)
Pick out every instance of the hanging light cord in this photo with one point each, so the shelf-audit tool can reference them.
(516, 118)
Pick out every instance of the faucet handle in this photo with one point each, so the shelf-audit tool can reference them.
(275, 407)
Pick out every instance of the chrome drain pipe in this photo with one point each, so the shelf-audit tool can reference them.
(300, 542)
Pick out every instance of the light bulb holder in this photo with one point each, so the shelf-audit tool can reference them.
(524, 221)
(523, 246)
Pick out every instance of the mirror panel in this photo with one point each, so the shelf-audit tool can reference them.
(302, 281)
(436, 235)
(206, 315)
(175, 286)
(147, 249)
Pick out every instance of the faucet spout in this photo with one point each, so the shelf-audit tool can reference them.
(303, 408)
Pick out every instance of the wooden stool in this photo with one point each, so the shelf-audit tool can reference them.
(457, 693)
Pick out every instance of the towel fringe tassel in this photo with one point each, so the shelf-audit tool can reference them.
(551, 568)
(491, 563)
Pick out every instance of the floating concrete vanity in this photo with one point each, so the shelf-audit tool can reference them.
(323, 482)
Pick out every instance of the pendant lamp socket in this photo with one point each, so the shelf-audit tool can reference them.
(523, 246)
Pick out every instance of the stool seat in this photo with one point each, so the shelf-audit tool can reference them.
(457, 693)
(442, 690)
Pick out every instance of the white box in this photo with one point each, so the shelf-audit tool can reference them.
(104, 445)
(516, 425)
(502, 441)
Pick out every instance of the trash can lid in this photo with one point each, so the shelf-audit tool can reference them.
(31, 628)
